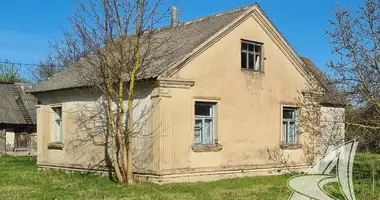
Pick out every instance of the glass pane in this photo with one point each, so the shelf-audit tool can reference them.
(244, 46)
(258, 48)
(58, 112)
(198, 131)
(58, 131)
(208, 137)
(251, 47)
(250, 59)
(203, 109)
(291, 132)
(243, 60)
(257, 63)
(288, 113)
(285, 131)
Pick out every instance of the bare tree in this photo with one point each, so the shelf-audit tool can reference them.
(355, 36)
(10, 72)
(116, 43)
(319, 127)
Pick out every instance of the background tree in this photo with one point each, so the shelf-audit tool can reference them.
(355, 37)
(10, 72)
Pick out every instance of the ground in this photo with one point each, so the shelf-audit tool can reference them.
(20, 179)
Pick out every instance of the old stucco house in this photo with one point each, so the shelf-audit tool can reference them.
(17, 120)
(230, 94)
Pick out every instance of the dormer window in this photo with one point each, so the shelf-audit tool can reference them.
(251, 55)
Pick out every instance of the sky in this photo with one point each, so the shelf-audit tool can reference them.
(26, 26)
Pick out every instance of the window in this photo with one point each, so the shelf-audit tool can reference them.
(251, 55)
(204, 123)
(21, 141)
(58, 124)
(290, 125)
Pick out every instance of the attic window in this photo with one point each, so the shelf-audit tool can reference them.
(251, 56)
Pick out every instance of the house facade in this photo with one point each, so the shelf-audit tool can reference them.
(17, 120)
(217, 109)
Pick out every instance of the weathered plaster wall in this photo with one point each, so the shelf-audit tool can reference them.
(248, 104)
(332, 127)
(84, 135)
(9, 138)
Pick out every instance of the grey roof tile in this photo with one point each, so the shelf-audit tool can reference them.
(10, 112)
(332, 95)
(184, 38)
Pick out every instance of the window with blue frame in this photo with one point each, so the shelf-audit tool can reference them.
(290, 125)
(58, 124)
(204, 123)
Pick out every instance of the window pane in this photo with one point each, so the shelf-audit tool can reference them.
(285, 131)
(243, 60)
(208, 133)
(258, 48)
(203, 109)
(257, 63)
(21, 140)
(198, 131)
(251, 47)
(288, 113)
(291, 132)
(58, 132)
(244, 46)
(58, 112)
(250, 59)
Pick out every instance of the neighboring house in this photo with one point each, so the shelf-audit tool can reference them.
(219, 104)
(17, 120)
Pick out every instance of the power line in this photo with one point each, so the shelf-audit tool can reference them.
(25, 64)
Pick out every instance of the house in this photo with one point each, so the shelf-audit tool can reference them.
(226, 97)
(17, 120)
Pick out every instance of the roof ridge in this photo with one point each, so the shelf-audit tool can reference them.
(217, 14)
(205, 17)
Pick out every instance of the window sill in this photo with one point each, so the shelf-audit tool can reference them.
(251, 71)
(291, 146)
(209, 148)
(56, 146)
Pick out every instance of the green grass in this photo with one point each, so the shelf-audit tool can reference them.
(20, 179)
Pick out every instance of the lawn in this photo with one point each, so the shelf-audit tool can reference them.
(19, 179)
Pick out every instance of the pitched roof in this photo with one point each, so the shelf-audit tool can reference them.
(187, 36)
(332, 95)
(16, 106)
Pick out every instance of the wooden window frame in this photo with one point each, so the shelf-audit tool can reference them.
(254, 53)
(203, 118)
(295, 120)
(58, 129)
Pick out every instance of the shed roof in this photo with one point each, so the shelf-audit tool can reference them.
(16, 106)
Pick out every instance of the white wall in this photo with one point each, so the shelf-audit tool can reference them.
(332, 127)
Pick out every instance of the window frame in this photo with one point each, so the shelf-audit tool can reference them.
(58, 127)
(18, 144)
(203, 118)
(295, 120)
(254, 53)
